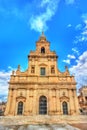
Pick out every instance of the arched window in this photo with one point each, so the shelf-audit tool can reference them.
(42, 105)
(43, 50)
(65, 108)
(20, 108)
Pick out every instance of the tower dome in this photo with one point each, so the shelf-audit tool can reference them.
(42, 37)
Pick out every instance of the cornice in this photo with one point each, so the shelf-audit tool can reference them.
(41, 88)
(44, 83)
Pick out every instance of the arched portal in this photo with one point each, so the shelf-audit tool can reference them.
(43, 50)
(65, 108)
(42, 105)
(20, 108)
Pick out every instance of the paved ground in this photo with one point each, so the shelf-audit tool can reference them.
(82, 126)
(40, 127)
(77, 121)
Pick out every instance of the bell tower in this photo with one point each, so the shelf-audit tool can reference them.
(42, 45)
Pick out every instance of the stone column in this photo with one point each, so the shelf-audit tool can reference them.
(7, 110)
(54, 107)
(71, 102)
(27, 103)
(50, 107)
(34, 103)
(54, 101)
(30, 101)
(58, 101)
(13, 106)
(76, 102)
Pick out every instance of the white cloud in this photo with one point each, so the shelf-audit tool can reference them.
(78, 27)
(69, 25)
(0, 100)
(67, 61)
(10, 9)
(4, 78)
(84, 17)
(80, 70)
(75, 50)
(82, 37)
(71, 56)
(84, 33)
(69, 1)
(39, 22)
(36, 13)
(44, 2)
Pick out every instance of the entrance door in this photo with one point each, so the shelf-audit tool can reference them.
(42, 105)
(20, 108)
(65, 108)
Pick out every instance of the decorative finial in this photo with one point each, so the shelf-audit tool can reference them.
(19, 67)
(13, 72)
(42, 33)
(42, 37)
(66, 67)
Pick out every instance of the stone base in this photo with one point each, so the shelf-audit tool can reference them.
(21, 120)
(39, 127)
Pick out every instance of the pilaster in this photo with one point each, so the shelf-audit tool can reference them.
(13, 106)
(76, 102)
(8, 103)
(71, 102)
(58, 101)
(26, 112)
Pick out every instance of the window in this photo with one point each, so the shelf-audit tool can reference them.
(52, 70)
(65, 108)
(86, 98)
(20, 108)
(43, 50)
(42, 71)
(42, 105)
(32, 69)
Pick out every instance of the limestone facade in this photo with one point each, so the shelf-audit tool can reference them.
(42, 89)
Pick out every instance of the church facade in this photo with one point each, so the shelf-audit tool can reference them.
(42, 89)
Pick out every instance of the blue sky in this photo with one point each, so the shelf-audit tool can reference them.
(65, 25)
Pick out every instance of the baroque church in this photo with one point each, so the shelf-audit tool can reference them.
(42, 89)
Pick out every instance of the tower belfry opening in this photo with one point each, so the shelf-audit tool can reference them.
(43, 50)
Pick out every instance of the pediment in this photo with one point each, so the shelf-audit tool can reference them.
(42, 64)
(20, 98)
(64, 98)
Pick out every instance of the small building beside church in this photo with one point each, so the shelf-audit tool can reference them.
(42, 89)
(2, 108)
(82, 98)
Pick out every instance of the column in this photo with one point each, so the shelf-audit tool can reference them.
(76, 102)
(34, 103)
(27, 103)
(58, 101)
(54, 101)
(30, 101)
(71, 102)
(50, 102)
(13, 106)
(7, 110)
